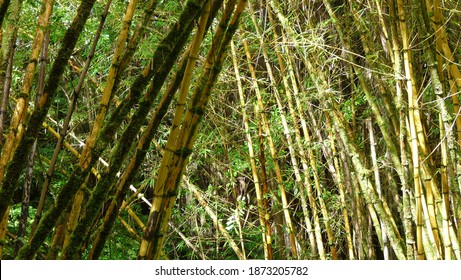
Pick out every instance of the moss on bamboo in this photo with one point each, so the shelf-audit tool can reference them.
(200, 99)
(139, 156)
(50, 217)
(19, 160)
(3, 9)
(167, 53)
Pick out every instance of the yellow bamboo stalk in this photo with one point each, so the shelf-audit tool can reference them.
(445, 194)
(143, 226)
(165, 189)
(260, 108)
(404, 172)
(444, 47)
(108, 91)
(262, 211)
(129, 229)
(414, 121)
(18, 117)
(215, 219)
(98, 122)
(20, 112)
(183, 92)
(312, 162)
(175, 158)
(447, 137)
(58, 239)
(291, 146)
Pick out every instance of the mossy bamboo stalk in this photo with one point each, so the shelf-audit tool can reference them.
(18, 161)
(58, 239)
(142, 146)
(10, 144)
(14, 133)
(109, 90)
(136, 160)
(443, 46)
(118, 155)
(3, 8)
(342, 194)
(356, 201)
(370, 193)
(134, 40)
(108, 130)
(65, 126)
(408, 220)
(176, 156)
(447, 137)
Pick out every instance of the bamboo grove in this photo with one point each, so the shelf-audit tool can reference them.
(230, 129)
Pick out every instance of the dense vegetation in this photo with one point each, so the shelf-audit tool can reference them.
(237, 129)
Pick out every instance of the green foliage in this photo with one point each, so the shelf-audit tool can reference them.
(313, 42)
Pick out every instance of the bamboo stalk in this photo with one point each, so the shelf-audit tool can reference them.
(404, 172)
(176, 156)
(143, 145)
(108, 91)
(447, 137)
(10, 144)
(300, 149)
(39, 113)
(262, 211)
(65, 126)
(378, 184)
(414, 123)
(119, 153)
(215, 219)
(267, 132)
